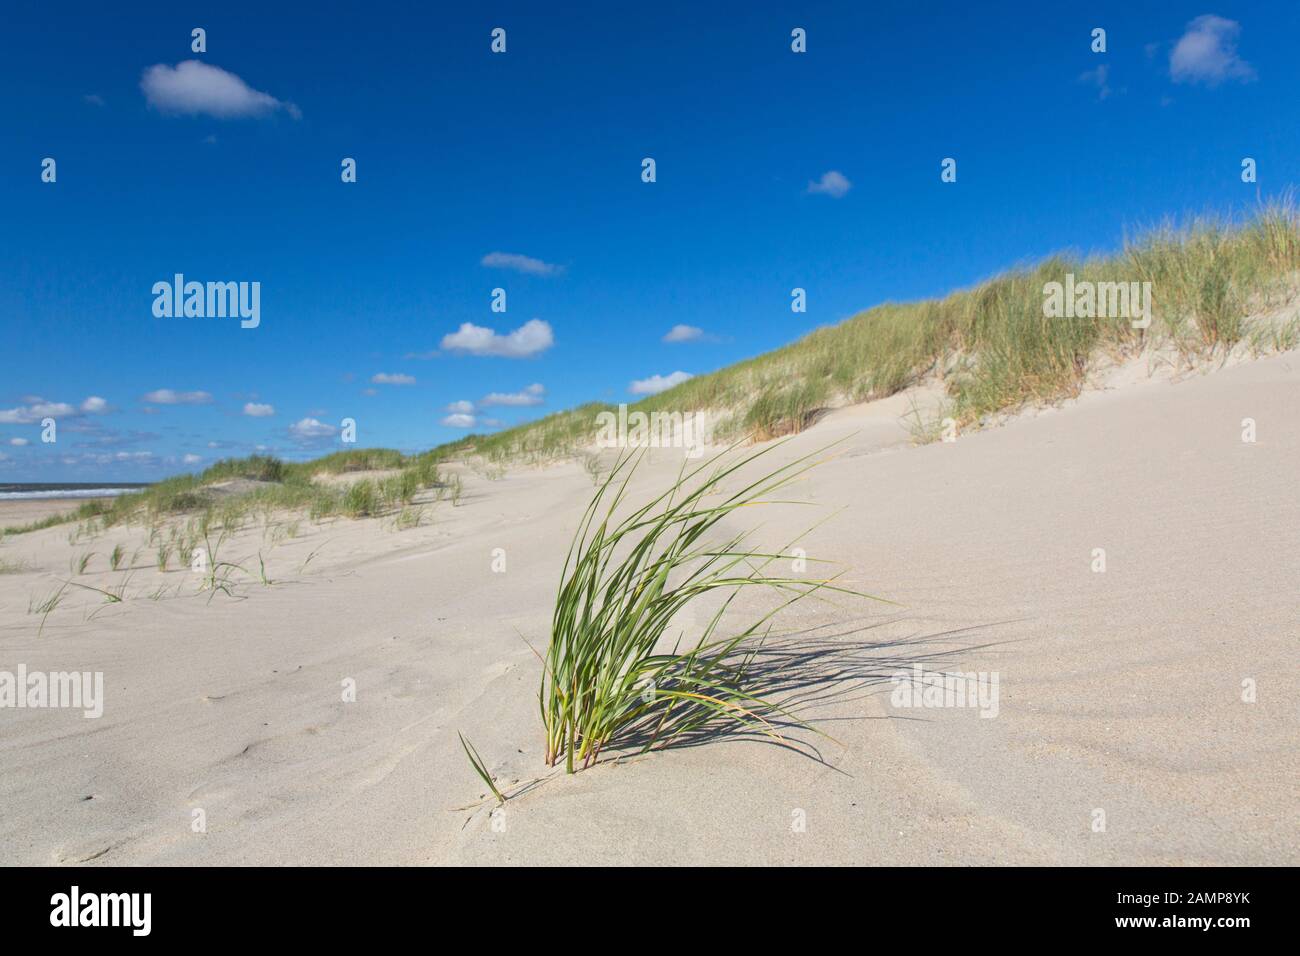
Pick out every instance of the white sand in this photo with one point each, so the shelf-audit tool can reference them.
(1119, 692)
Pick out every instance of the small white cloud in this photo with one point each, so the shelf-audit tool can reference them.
(525, 264)
(1207, 53)
(165, 396)
(195, 88)
(36, 409)
(532, 395)
(833, 183)
(192, 459)
(461, 408)
(683, 333)
(94, 99)
(391, 378)
(657, 383)
(309, 428)
(531, 338)
(460, 420)
(257, 410)
(18, 442)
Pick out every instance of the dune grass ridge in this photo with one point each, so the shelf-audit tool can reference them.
(232, 490)
(1217, 285)
(1214, 282)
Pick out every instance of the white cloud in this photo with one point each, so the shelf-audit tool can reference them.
(33, 412)
(657, 383)
(525, 264)
(833, 183)
(94, 405)
(1207, 53)
(531, 338)
(309, 428)
(194, 88)
(165, 396)
(192, 459)
(92, 458)
(532, 395)
(683, 333)
(462, 407)
(392, 378)
(18, 442)
(257, 410)
(460, 420)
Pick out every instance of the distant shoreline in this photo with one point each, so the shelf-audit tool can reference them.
(58, 491)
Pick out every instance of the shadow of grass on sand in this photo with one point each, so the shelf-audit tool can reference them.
(811, 677)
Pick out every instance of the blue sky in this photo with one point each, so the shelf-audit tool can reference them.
(230, 171)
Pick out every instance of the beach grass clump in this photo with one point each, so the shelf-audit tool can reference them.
(346, 462)
(608, 679)
(361, 499)
(252, 468)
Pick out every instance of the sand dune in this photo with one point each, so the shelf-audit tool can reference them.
(1119, 692)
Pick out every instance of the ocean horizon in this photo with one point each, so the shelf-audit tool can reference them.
(55, 489)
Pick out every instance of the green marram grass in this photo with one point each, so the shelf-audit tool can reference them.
(992, 348)
(607, 680)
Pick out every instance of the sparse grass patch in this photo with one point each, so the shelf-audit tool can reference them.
(46, 606)
(361, 499)
(13, 566)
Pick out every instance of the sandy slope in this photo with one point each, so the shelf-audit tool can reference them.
(1119, 691)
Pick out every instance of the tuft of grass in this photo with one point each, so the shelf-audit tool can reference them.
(111, 595)
(115, 559)
(217, 576)
(591, 464)
(13, 566)
(408, 518)
(261, 570)
(400, 489)
(624, 579)
(46, 605)
(361, 499)
(303, 567)
(479, 767)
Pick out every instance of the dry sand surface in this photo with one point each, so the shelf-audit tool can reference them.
(1119, 692)
(15, 512)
